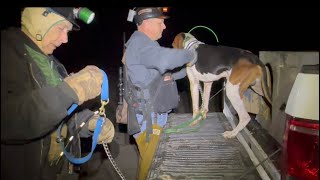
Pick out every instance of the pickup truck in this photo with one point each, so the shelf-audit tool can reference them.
(301, 139)
(202, 153)
(291, 125)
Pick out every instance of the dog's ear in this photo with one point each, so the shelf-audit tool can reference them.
(178, 41)
(182, 36)
(187, 36)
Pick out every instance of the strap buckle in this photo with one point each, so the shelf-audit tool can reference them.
(102, 109)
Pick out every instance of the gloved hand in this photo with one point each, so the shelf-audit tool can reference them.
(86, 83)
(194, 60)
(107, 130)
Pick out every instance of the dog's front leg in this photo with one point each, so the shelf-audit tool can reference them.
(206, 96)
(194, 83)
(232, 92)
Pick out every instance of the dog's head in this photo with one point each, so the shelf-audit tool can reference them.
(181, 40)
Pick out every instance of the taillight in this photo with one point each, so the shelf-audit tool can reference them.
(301, 138)
(301, 149)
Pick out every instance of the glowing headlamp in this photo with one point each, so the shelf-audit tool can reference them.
(84, 14)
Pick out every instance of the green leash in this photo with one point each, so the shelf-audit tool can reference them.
(181, 127)
(205, 27)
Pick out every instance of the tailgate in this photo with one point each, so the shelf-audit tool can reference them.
(203, 154)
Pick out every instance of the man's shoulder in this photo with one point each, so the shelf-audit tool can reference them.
(12, 40)
(14, 36)
(139, 39)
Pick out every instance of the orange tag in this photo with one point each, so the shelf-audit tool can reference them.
(167, 78)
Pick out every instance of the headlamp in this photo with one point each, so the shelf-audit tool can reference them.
(84, 14)
(140, 14)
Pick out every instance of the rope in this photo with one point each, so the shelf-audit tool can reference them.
(254, 167)
(217, 92)
(205, 27)
(177, 129)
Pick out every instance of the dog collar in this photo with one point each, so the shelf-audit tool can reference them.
(189, 45)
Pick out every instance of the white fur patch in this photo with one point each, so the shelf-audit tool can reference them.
(232, 92)
(206, 77)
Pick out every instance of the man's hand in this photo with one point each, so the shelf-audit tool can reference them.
(86, 83)
(194, 60)
(107, 131)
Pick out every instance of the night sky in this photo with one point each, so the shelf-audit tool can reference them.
(253, 29)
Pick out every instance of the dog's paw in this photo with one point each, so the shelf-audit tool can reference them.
(229, 134)
(195, 113)
(204, 113)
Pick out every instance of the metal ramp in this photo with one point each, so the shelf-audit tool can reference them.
(203, 154)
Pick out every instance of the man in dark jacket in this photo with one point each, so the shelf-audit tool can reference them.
(146, 62)
(36, 93)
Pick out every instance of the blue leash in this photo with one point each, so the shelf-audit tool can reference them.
(99, 124)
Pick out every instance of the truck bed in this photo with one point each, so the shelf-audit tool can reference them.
(202, 154)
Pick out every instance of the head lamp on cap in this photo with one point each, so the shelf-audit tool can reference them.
(37, 21)
(84, 14)
(140, 14)
(71, 14)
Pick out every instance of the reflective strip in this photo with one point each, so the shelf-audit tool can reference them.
(304, 130)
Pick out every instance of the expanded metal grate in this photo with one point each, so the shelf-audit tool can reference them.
(203, 154)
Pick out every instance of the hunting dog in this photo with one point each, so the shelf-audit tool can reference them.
(241, 68)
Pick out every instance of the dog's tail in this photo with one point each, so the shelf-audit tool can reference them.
(264, 84)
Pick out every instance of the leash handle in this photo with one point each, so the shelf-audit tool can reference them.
(99, 124)
(72, 108)
(104, 92)
(95, 137)
(105, 87)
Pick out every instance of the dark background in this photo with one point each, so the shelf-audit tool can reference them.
(256, 29)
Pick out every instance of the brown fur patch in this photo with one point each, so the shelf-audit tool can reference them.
(245, 73)
(178, 41)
